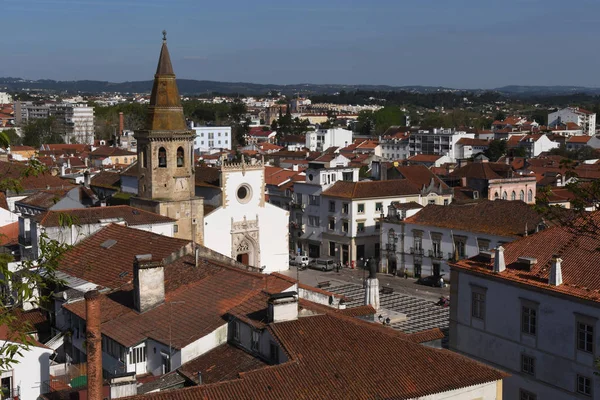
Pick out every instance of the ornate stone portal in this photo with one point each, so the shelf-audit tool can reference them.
(245, 241)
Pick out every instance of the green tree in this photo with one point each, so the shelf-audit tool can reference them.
(386, 117)
(365, 123)
(42, 131)
(496, 149)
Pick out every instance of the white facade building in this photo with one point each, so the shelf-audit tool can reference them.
(584, 118)
(211, 137)
(245, 227)
(394, 148)
(532, 314)
(5, 98)
(80, 123)
(25, 377)
(425, 242)
(322, 139)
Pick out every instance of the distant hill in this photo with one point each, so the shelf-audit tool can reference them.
(195, 87)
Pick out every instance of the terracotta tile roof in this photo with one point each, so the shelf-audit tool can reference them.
(203, 296)
(473, 142)
(109, 151)
(277, 176)
(583, 111)
(84, 216)
(332, 359)
(112, 265)
(8, 334)
(425, 158)
(32, 321)
(498, 217)
(21, 148)
(67, 148)
(579, 139)
(223, 363)
(411, 205)
(44, 199)
(106, 179)
(42, 181)
(577, 249)
(210, 175)
(482, 170)
(9, 234)
(257, 131)
(266, 146)
(372, 189)
(419, 175)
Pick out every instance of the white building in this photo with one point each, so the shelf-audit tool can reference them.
(536, 144)
(584, 118)
(322, 139)
(395, 148)
(531, 308)
(245, 227)
(24, 378)
(424, 242)
(307, 211)
(5, 98)
(437, 141)
(211, 137)
(80, 124)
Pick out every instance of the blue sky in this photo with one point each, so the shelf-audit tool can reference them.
(454, 43)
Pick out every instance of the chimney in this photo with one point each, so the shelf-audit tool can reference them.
(372, 286)
(121, 124)
(283, 307)
(93, 339)
(86, 179)
(499, 264)
(555, 278)
(148, 282)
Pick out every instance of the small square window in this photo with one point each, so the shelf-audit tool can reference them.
(584, 385)
(361, 208)
(527, 364)
(360, 227)
(345, 226)
(331, 224)
(331, 206)
(378, 206)
(525, 395)
(175, 228)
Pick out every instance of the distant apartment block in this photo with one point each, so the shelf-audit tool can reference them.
(323, 139)
(211, 137)
(437, 141)
(5, 98)
(584, 118)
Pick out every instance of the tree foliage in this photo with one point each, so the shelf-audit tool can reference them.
(496, 149)
(40, 131)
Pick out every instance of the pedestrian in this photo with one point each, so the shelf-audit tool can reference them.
(405, 274)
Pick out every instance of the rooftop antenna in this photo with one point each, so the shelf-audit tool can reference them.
(164, 32)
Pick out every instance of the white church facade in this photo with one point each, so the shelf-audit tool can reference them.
(246, 227)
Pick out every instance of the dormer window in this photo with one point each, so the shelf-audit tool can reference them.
(162, 158)
(180, 156)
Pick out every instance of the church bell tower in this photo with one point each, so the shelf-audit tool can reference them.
(166, 156)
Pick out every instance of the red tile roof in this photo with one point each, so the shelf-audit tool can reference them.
(337, 357)
(106, 179)
(29, 181)
(372, 189)
(419, 175)
(473, 142)
(498, 217)
(9, 234)
(109, 151)
(44, 199)
(112, 265)
(577, 249)
(579, 139)
(425, 158)
(83, 216)
(257, 131)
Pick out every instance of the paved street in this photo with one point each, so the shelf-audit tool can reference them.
(400, 285)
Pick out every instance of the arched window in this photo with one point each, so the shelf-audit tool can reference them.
(530, 196)
(513, 195)
(522, 195)
(496, 196)
(180, 156)
(504, 195)
(162, 158)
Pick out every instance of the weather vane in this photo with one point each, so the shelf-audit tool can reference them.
(164, 32)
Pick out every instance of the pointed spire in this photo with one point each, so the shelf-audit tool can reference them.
(164, 61)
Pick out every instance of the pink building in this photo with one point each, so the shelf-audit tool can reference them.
(517, 188)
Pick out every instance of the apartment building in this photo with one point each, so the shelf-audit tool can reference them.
(440, 141)
(210, 138)
(585, 119)
(322, 139)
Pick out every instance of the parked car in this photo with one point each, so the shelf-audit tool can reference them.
(301, 261)
(432, 280)
(323, 264)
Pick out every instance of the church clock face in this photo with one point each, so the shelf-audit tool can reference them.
(181, 184)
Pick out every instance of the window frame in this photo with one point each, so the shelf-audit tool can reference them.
(589, 322)
(360, 208)
(527, 364)
(578, 382)
(162, 158)
(529, 313)
(478, 302)
(526, 395)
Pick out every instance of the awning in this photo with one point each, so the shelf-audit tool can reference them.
(311, 236)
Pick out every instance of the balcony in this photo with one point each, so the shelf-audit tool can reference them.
(436, 254)
(13, 394)
(390, 246)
